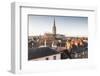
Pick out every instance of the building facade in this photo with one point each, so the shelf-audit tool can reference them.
(50, 57)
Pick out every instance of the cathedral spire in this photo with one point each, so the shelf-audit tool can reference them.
(54, 22)
(54, 28)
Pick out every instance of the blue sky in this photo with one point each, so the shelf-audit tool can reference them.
(67, 25)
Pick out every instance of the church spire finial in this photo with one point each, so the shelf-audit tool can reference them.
(54, 21)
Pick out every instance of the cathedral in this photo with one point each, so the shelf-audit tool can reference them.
(49, 39)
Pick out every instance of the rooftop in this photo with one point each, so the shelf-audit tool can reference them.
(40, 52)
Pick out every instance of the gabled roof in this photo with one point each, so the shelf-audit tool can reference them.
(40, 52)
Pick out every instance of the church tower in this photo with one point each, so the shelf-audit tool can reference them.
(54, 29)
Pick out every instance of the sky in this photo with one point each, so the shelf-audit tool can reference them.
(67, 25)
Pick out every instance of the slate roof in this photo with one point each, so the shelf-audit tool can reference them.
(40, 52)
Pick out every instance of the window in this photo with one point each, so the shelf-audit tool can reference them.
(47, 58)
(54, 57)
